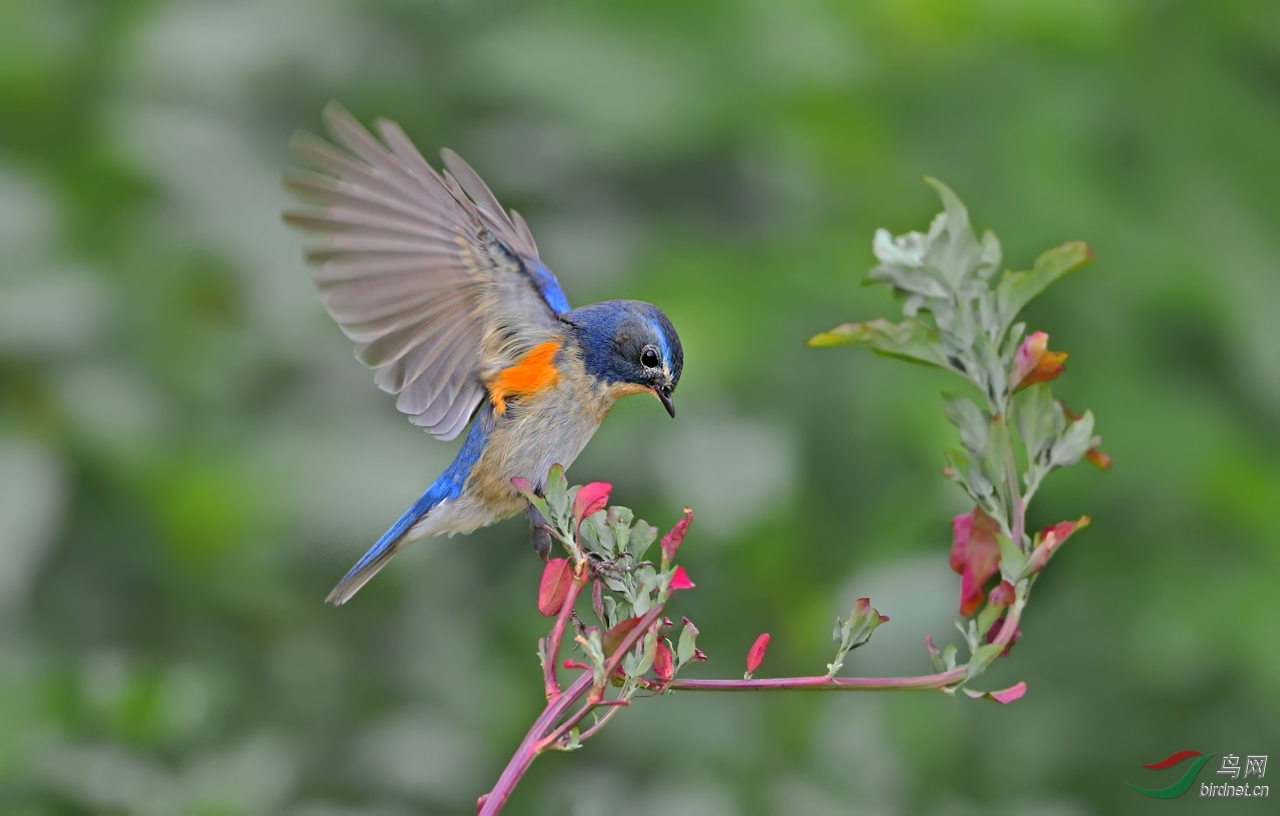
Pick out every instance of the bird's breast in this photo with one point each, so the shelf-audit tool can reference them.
(543, 427)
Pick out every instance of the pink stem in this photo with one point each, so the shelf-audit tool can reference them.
(534, 741)
(925, 682)
(529, 748)
(824, 683)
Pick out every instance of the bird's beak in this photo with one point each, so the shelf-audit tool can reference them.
(664, 394)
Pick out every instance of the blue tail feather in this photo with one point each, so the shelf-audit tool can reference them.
(446, 488)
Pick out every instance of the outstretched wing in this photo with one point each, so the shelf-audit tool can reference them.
(436, 284)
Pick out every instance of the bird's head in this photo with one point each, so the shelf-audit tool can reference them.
(632, 347)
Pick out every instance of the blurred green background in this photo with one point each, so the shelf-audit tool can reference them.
(190, 457)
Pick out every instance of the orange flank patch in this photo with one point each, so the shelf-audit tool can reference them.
(535, 372)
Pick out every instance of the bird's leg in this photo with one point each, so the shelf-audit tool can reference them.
(538, 534)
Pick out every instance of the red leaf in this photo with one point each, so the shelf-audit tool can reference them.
(614, 637)
(662, 665)
(591, 498)
(756, 655)
(1050, 539)
(680, 580)
(671, 541)
(557, 575)
(975, 554)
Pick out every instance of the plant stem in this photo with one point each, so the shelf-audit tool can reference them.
(535, 742)
(823, 683)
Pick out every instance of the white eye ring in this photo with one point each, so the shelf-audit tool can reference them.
(649, 357)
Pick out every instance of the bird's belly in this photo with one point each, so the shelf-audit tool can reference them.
(547, 430)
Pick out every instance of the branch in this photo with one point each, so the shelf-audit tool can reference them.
(941, 681)
(535, 741)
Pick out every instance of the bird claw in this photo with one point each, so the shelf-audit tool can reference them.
(539, 534)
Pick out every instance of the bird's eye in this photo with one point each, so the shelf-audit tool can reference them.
(649, 358)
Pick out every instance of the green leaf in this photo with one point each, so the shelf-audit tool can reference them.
(641, 537)
(1073, 443)
(999, 454)
(641, 602)
(647, 655)
(1012, 560)
(953, 248)
(949, 656)
(557, 495)
(911, 340)
(969, 418)
(1017, 289)
(1034, 414)
(966, 471)
(618, 520)
(595, 535)
(906, 277)
(687, 645)
(993, 369)
(988, 616)
(982, 658)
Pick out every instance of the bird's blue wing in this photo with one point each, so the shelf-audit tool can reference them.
(435, 283)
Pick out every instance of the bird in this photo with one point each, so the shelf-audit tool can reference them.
(446, 298)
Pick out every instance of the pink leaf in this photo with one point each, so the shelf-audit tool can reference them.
(1006, 696)
(557, 575)
(756, 654)
(591, 498)
(680, 580)
(522, 484)
(671, 541)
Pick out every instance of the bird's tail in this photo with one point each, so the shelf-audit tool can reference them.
(380, 553)
(446, 488)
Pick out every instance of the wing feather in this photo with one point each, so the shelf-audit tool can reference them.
(423, 269)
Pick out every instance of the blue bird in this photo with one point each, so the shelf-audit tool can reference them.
(445, 297)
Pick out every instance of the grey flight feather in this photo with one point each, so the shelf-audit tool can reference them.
(424, 271)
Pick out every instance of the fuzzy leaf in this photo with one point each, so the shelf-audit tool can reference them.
(1034, 415)
(557, 493)
(982, 656)
(1073, 443)
(911, 340)
(969, 418)
(640, 538)
(1017, 289)
(687, 645)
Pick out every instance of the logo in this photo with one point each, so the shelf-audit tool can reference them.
(1255, 765)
